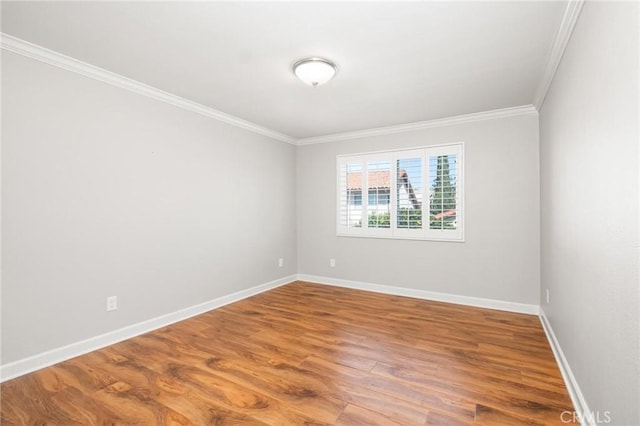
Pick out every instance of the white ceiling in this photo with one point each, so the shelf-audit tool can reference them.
(398, 62)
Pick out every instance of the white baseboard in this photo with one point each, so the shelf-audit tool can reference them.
(522, 308)
(54, 356)
(579, 402)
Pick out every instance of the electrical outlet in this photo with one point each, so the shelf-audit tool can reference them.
(548, 298)
(280, 263)
(332, 263)
(112, 303)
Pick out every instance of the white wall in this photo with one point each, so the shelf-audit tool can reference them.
(105, 192)
(589, 177)
(499, 259)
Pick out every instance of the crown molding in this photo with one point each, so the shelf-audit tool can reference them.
(409, 127)
(569, 20)
(39, 53)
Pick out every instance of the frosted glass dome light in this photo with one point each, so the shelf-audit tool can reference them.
(314, 71)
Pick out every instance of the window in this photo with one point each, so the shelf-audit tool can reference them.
(413, 194)
(381, 196)
(354, 197)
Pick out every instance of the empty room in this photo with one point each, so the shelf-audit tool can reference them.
(320, 213)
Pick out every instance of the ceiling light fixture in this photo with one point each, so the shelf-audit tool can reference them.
(314, 71)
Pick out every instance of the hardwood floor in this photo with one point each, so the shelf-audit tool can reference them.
(307, 354)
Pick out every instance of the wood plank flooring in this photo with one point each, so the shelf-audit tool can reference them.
(308, 354)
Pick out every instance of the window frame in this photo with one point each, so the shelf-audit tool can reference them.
(394, 232)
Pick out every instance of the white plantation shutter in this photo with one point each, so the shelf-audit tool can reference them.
(376, 195)
(350, 202)
(412, 194)
(444, 171)
(409, 193)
